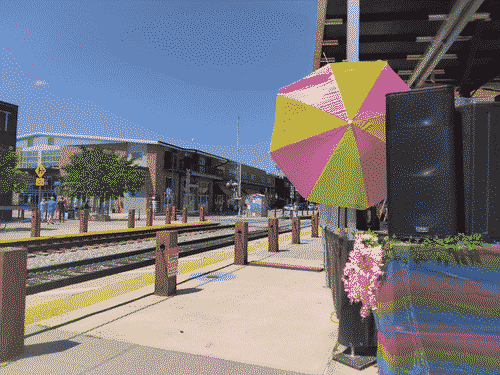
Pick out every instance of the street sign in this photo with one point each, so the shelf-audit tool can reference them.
(40, 171)
(40, 182)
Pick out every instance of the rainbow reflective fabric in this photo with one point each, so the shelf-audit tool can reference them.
(329, 133)
(436, 319)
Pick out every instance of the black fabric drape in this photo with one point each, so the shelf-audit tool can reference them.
(351, 327)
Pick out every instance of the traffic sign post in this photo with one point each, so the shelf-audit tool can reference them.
(40, 171)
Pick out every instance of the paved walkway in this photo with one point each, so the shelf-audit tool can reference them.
(240, 320)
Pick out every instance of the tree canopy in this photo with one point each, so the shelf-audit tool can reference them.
(101, 174)
(11, 178)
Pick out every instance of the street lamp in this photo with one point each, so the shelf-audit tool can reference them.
(233, 185)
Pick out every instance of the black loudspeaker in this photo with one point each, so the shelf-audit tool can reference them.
(421, 181)
(480, 125)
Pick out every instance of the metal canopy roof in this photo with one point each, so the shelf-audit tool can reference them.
(426, 42)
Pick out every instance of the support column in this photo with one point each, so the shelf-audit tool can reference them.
(295, 230)
(272, 233)
(166, 262)
(167, 215)
(131, 218)
(314, 219)
(13, 271)
(184, 215)
(84, 221)
(36, 220)
(149, 217)
(241, 243)
(202, 213)
(174, 214)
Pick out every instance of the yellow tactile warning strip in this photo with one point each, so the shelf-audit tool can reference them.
(67, 304)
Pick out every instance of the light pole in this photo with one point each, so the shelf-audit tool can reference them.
(238, 198)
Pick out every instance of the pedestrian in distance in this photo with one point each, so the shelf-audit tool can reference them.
(43, 209)
(61, 207)
(51, 208)
(295, 210)
(86, 207)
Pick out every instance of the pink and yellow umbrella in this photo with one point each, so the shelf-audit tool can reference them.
(329, 133)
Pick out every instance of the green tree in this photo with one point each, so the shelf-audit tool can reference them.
(11, 178)
(100, 174)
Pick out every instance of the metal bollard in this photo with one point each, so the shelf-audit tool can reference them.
(202, 213)
(166, 262)
(84, 221)
(241, 243)
(13, 272)
(149, 217)
(36, 220)
(174, 214)
(315, 220)
(272, 233)
(184, 215)
(131, 218)
(167, 215)
(295, 230)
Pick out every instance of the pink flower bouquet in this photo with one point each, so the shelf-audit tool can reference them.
(362, 272)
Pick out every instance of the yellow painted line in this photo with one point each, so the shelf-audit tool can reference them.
(67, 304)
(69, 235)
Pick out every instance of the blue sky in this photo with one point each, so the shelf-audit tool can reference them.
(176, 71)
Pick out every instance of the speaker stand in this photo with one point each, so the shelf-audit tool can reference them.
(358, 362)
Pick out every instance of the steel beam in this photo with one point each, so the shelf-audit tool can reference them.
(461, 13)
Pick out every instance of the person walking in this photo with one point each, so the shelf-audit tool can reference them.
(51, 208)
(61, 207)
(295, 210)
(43, 210)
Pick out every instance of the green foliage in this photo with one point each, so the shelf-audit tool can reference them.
(11, 178)
(101, 174)
(456, 249)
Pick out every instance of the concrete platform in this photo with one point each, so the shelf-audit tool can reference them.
(248, 320)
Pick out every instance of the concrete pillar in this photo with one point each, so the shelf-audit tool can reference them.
(272, 233)
(36, 220)
(149, 217)
(166, 262)
(184, 215)
(202, 213)
(84, 221)
(353, 30)
(295, 230)
(174, 214)
(13, 270)
(167, 216)
(315, 220)
(241, 243)
(131, 218)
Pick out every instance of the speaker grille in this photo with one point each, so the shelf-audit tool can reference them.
(420, 162)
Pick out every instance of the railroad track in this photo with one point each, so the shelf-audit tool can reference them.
(60, 275)
(110, 239)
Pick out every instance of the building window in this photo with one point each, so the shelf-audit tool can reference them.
(244, 175)
(50, 141)
(136, 155)
(30, 142)
(29, 159)
(252, 176)
(50, 158)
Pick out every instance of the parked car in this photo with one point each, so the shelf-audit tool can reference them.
(288, 207)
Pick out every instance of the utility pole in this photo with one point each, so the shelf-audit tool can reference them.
(239, 160)
(188, 187)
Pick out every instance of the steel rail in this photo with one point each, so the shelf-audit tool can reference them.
(57, 276)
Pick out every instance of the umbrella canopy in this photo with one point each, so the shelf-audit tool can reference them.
(329, 133)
